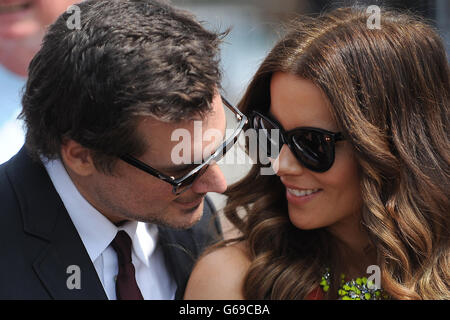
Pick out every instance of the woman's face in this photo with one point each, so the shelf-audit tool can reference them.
(336, 200)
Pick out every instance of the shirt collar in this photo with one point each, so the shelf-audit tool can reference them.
(95, 230)
(144, 238)
(145, 241)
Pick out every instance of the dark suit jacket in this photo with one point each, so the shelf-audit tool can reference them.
(38, 240)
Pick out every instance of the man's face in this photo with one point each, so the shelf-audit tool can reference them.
(132, 194)
(22, 19)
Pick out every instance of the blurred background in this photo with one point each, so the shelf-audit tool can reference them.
(255, 27)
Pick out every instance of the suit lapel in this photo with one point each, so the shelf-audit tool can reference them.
(45, 217)
(179, 258)
(64, 251)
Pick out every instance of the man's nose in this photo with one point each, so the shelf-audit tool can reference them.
(212, 180)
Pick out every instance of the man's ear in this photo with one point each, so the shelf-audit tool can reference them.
(77, 158)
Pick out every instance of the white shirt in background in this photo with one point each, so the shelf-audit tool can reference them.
(12, 134)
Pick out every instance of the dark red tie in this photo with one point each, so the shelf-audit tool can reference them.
(126, 285)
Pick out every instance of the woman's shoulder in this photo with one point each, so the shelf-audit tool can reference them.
(219, 274)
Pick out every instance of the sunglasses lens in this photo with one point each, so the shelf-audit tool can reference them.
(268, 136)
(315, 150)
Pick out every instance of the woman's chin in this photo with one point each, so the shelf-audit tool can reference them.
(303, 220)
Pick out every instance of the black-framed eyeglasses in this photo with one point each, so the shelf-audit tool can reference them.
(183, 183)
(314, 148)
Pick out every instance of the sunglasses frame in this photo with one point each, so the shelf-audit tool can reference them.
(177, 183)
(287, 137)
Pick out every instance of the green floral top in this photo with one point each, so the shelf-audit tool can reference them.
(355, 289)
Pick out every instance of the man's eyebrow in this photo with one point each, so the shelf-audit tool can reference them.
(184, 167)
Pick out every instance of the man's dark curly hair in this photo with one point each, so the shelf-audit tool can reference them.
(129, 59)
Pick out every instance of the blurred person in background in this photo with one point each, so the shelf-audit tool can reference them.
(362, 169)
(22, 26)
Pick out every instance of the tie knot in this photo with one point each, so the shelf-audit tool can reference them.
(122, 245)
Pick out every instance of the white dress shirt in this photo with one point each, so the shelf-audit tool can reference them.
(12, 134)
(97, 233)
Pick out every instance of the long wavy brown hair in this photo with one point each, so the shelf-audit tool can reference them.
(389, 90)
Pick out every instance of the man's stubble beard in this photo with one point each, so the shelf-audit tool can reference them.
(162, 219)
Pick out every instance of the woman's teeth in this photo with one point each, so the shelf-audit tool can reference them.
(301, 193)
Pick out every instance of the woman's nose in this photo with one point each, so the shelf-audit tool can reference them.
(287, 163)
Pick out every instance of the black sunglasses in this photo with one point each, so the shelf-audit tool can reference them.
(314, 148)
(182, 184)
